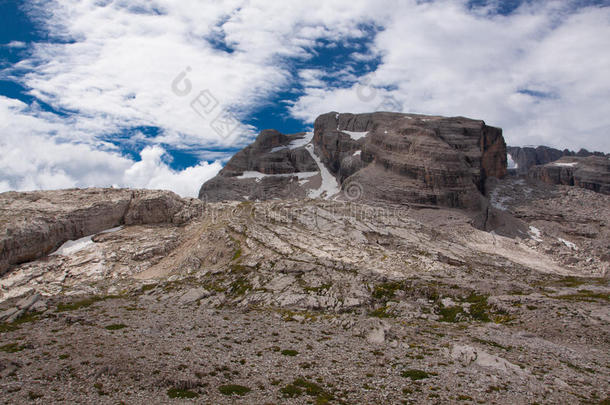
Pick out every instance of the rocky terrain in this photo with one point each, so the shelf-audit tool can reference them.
(306, 300)
(383, 157)
(381, 258)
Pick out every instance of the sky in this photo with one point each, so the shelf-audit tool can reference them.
(161, 93)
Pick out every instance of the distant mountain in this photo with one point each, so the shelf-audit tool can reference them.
(523, 158)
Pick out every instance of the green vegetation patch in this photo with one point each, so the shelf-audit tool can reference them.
(116, 326)
(180, 393)
(289, 352)
(318, 289)
(584, 295)
(450, 314)
(233, 389)
(240, 286)
(387, 291)
(11, 348)
(381, 312)
(25, 318)
(415, 374)
(301, 385)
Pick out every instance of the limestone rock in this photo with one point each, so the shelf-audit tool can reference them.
(388, 157)
(527, 157)
(194, 295)
(592, 173)
(36, 223)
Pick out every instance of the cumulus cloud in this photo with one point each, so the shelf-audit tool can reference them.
(540, 72)
(111, 66)
(152, 172)
(34, 157)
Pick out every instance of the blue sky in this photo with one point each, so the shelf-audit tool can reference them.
(94, 93)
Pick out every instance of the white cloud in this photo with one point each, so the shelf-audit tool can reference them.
(15, 45)
(444, 59)
(152, 172)
(33, 159)
(115, 70)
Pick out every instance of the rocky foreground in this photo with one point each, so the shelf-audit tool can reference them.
(304, 301)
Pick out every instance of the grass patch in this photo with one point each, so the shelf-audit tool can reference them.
(301, 385)
(415, 374)
(233, 389)
(116, 326)
(584, 295)
(240, 286)
(450, 314)
(387, 291)
(319, 289)
(381, 312)
(179, 393)
(25, 318)
(291, 391)
(11, 348)
(288, 352)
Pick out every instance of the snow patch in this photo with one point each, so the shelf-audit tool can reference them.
(72, 246)
(535, 233)
(510, 162)
(565, 164)
(569, 244)
(356, 135)
(296, 143)
(357, 153)
(329, 186)
(258, 175)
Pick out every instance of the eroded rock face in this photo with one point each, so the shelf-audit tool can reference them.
(36, 223)
(592, 173)
(412, 158)
(527, 157)
(389, 157)
(275, 157)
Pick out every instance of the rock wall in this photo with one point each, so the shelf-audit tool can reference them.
(36, 223)
(412, 158)
(527, 157)
(592, 173)
(391, 157)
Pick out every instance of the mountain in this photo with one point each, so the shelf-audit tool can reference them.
(386, 157)
(524, 158)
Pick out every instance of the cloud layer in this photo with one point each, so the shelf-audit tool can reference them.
(540, 72)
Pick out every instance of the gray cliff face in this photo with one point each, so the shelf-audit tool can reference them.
(592, 173)
(391, 157)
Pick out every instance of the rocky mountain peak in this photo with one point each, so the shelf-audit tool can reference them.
(381, 156)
